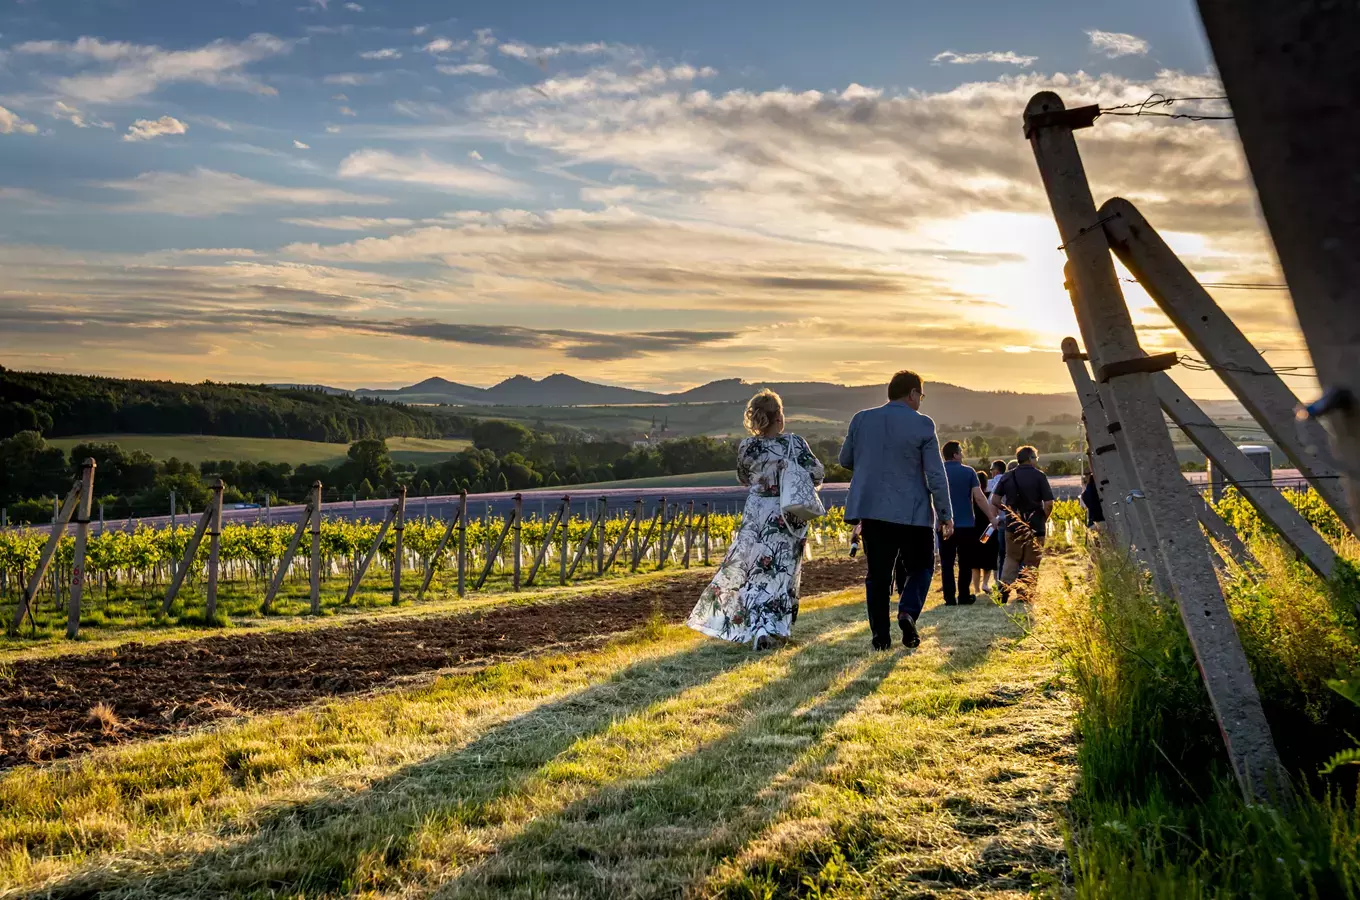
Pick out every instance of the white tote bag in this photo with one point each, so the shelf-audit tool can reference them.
(797, 494)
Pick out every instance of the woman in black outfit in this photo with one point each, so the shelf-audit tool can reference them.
(985, 552)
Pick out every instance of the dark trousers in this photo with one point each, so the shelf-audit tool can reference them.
(955, 548)
(885, 543)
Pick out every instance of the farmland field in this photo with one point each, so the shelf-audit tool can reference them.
(725, 478)
(195, 448)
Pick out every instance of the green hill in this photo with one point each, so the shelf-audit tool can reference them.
(195, 448)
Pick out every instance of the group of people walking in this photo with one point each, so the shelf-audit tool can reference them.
(909, 499)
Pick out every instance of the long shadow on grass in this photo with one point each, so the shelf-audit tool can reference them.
(352, 840)
(660, 833)
(967, 635)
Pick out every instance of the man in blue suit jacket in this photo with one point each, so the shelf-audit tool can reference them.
(898, 476)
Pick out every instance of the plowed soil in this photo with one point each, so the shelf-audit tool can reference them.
(53, 707)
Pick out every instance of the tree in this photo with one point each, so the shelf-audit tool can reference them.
(31, 468)
(372, 460)
(366, 490)
(501, 437)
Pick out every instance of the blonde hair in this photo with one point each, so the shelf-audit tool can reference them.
(762, 411)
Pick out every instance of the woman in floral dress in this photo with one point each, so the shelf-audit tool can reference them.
(754, 597)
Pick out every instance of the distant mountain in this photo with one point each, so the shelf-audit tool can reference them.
(564, 390)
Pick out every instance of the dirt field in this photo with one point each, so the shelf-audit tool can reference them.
(48, 707)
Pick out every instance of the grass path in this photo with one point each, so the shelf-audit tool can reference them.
(664, 764)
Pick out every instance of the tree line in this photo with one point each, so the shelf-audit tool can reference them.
(54, 405)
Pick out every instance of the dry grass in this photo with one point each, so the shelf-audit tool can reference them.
(104, 718)
(663, 764)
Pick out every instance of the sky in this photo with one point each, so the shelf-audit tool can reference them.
(372, 193)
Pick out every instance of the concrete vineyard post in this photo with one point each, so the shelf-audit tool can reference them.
(462, 543)
(1223, 346)
(517, 545)
(1119, 361)
(65, 509)
(398, 545)
(1292, 74)
(1273, 508)
(82, 519)
(1222, 532)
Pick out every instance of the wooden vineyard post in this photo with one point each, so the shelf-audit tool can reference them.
(288, 554)
(438, 551)
(705, 529)
(1119, 362)
(618, 544)
(1292, 74)
(585, 543)
(1224, 348)
(494, 552)
(599, 541)
(398, 546)
(64, 512)
(517, 542)
(565, 541)
(214, 512)
(314, 574)
(1276, 511)
(558, 519)
(82, 519)
(371, 554)
(668, 543)
(689, 534)
(662, 546)
(462, 543)
(647, 539)
(187, 560)
(637, 534)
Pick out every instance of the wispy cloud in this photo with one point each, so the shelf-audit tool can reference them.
(147, 129)
(385, 53)
(1115, 44)
(11, 123)
(206, 192)
(298, 145)
(444, 45)
(469, 69)
(136, 70)
(380, 165)
(66, 112)
(1008, 57)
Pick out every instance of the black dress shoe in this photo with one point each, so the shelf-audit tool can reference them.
(968, 600)
(882, 645)
(950, 601)
(910, 638)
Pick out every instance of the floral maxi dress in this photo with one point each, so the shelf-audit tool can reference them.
(755, 592)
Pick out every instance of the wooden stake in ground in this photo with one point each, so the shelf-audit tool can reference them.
(599, 542)
(705, 527)
(314, 575)
(64, 512)
(1277, 512)
(82, 517)
(493, 552)
(462, 543)
(214, 549)
(565, 541)
(438, 551)
(689, 534)
(371, 554)
(186, 562)
(1292, 73)
(562, 512)
(1224, 348)
(647, 539)
(618, 544)
(1113, 347)
(585, 545)
(398, 546)
(517, 545)
(288, 554)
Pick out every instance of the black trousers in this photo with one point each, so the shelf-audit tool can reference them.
(955, 548)
(889, 546)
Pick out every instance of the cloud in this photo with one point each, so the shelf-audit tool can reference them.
(380, 165)
(469, 69)
(444, 45)
(353, 223)
(384, 53)
(136, 70)
(68, 113)
(354, 7)
(528, 52)
(1009, 57)
(147, 129)
(205, 192)
(10, 123)
(346, 111)
(301, 146)
(352, 78)
(1114, 44)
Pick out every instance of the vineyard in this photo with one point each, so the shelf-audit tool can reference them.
(127, 571)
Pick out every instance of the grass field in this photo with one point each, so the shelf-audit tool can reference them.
(195, 448)
(725, 478)
(662, 764)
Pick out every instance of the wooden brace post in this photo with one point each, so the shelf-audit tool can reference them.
(398, 545)
(82, 518)
(214, 549)
(371, 554)
(64, 513)
(438, 551)
(547, 541)
(494, 552)
(288, 555)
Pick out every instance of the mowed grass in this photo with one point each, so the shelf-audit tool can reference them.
(196, 448)
(663, 764)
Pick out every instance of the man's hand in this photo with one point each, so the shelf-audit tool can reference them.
(947, 528)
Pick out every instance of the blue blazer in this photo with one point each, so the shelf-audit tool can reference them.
(898, 471)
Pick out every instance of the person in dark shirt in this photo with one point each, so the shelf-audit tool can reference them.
(956, 548)
(984, 551)
(1090, 501)
(1027, 497)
